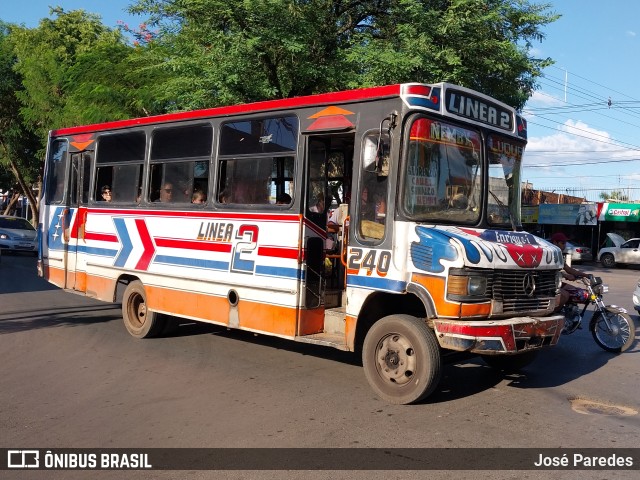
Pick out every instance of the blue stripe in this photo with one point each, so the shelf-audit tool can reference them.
(278, 271)
(422, 102)
(100, 252)
(191, 262)
(376, 283)
(127, 246)
(103, 252)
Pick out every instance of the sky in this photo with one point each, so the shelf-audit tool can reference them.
(578, 143)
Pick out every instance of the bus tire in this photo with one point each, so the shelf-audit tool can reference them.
(139, 321)
(401, 359)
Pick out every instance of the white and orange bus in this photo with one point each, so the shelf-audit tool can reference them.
(383, 220)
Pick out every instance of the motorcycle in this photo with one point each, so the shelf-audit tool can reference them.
(612, 328)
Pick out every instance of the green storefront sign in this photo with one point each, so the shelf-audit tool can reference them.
(620, 212)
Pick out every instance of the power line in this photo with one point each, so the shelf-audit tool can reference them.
(578, 164)
(593, 98)
(617, 143)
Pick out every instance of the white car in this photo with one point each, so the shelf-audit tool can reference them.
(624, 251)
(578, 253)
(17, 235)
(636, 297)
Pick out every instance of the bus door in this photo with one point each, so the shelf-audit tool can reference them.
(328, 186)
(76, 261)
(368, 256)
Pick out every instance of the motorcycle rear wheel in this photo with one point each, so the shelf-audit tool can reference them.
(622, 333)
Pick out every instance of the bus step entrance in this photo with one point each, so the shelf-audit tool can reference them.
(333, 335)
(327, 339)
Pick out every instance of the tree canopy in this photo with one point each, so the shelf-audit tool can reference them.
(257, 49)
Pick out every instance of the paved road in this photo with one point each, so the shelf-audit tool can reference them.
(73, 377)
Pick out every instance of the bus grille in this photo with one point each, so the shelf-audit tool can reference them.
(513, 290)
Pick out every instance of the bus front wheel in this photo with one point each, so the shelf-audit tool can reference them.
(401, 359)
(140, 322)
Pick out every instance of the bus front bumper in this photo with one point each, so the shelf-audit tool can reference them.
(512, 335)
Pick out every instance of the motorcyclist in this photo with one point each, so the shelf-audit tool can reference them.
(567, 291)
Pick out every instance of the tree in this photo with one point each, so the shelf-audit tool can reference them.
(18, 146)
(214, 52)
(614, 196)
(69, 70)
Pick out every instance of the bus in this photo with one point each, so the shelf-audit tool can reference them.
(383, 221)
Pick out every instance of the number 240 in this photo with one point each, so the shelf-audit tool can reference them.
(379, 260)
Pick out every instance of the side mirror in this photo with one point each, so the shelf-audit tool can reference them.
(375, 154)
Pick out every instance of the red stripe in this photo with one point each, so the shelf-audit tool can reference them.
(193, 245)
(287, 103)
(279, 252)
(147, 243)
(316, 229)
(418, 90)
(74, 227)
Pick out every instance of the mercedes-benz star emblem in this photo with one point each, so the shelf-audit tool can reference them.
(529, 285)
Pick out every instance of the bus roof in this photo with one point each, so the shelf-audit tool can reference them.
(363, 94)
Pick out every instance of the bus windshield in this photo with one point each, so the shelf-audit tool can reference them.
(443, 172)
(443, 175)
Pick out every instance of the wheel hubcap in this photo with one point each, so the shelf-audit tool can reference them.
(139, 309)
(396, 359)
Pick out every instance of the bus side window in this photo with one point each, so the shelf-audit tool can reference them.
(256, 160)
(104, 176)
(56, 171)
(372, 200)
(256, 181)
(180, 157)
(119, 160)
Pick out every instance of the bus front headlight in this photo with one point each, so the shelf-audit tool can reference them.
(466, 286)
(477, 285)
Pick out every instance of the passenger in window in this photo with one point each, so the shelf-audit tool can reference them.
(381, 210)
(283, 199)
(186, 192)
(243, 193)
(166, 192)
(319, 206)
(198, 197)
(367, 209)
(224, 196)
(106, 193)
(333, 228)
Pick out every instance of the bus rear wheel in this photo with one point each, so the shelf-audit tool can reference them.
(139, 321)
(401, 359)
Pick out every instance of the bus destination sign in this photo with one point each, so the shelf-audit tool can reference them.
(469, 106)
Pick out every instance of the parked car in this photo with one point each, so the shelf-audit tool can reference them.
(623, 251)
(636, 297)
(578, 252)
(17, 235)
